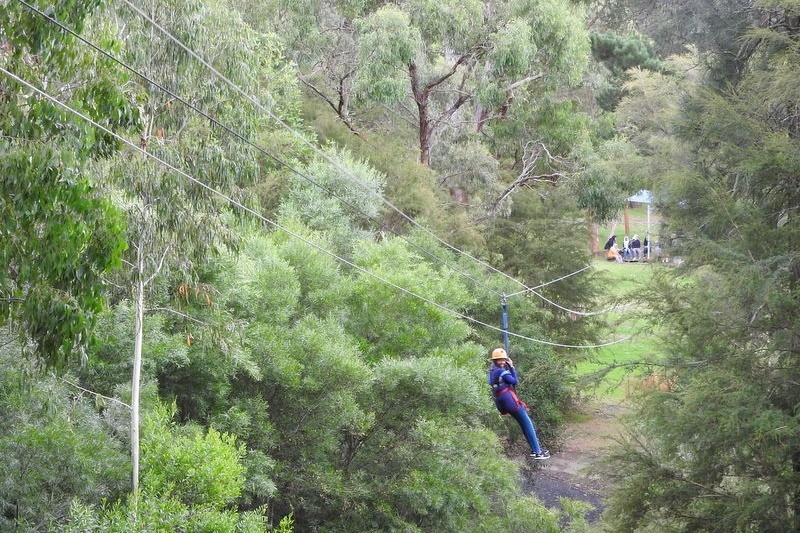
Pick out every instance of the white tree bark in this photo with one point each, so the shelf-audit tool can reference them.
(138, 336)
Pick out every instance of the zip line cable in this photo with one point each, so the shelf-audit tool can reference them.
(261, 150)
(305, 141)
(571, 311)
(548, 283)
(276, 225)
(554, 304)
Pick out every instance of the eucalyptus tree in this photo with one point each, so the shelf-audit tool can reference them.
(59, 236)
(177, 200)
(719, 452)
(451, 69)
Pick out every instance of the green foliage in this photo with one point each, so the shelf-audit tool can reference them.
(564, 125)
(716, 452)
(370, 438)
(383, 323)
(159, 514)
(388, 45)
(29, 33)
(59, 239)
(597, 191)
(59, 236)
(561, 36)
(468, 166)
(338, 196)
(619, 54)
(189, 481)
(195, 469)
(512, 49)
(342, 401)
(172, 201)
(454, 21)
(263, 287)
(412, 188)
(448, 68)
(643, 153)
(55, 446)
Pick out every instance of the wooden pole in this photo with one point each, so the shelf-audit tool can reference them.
(627, 217)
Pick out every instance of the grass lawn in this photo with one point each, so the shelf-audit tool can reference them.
(625, 281)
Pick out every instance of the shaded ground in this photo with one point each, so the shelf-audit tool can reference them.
(565, 473)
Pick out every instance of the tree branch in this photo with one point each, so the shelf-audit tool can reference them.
(159, 267)
(175, 312)
(96, 393)
(526, 176)
(337, 107)
(447, 75)
(523, 81)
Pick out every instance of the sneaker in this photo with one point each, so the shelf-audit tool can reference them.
(540, 456)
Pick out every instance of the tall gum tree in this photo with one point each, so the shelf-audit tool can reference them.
(447, 68)
(174, 222)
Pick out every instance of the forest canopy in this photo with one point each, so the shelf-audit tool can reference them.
(255, 255)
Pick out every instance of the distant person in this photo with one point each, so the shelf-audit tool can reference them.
(627, 253)
(503, 379)
(636, 248)
(615, 254)
(612, 252)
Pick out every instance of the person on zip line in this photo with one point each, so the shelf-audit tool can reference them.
(503, 379)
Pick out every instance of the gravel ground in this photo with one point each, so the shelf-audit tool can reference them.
(565, 473)
(550, 486)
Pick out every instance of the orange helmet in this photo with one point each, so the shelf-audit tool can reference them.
(499, 353)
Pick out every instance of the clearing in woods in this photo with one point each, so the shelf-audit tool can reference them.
(596, 423)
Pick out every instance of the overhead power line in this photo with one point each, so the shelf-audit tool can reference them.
(276, 225)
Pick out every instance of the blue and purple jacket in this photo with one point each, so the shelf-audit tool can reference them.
(503, 381)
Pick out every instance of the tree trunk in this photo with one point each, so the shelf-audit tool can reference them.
(138, 335)
(627, 218)
(424, 122)
(424, 137)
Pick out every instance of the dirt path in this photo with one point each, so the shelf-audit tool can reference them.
(565, 473)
